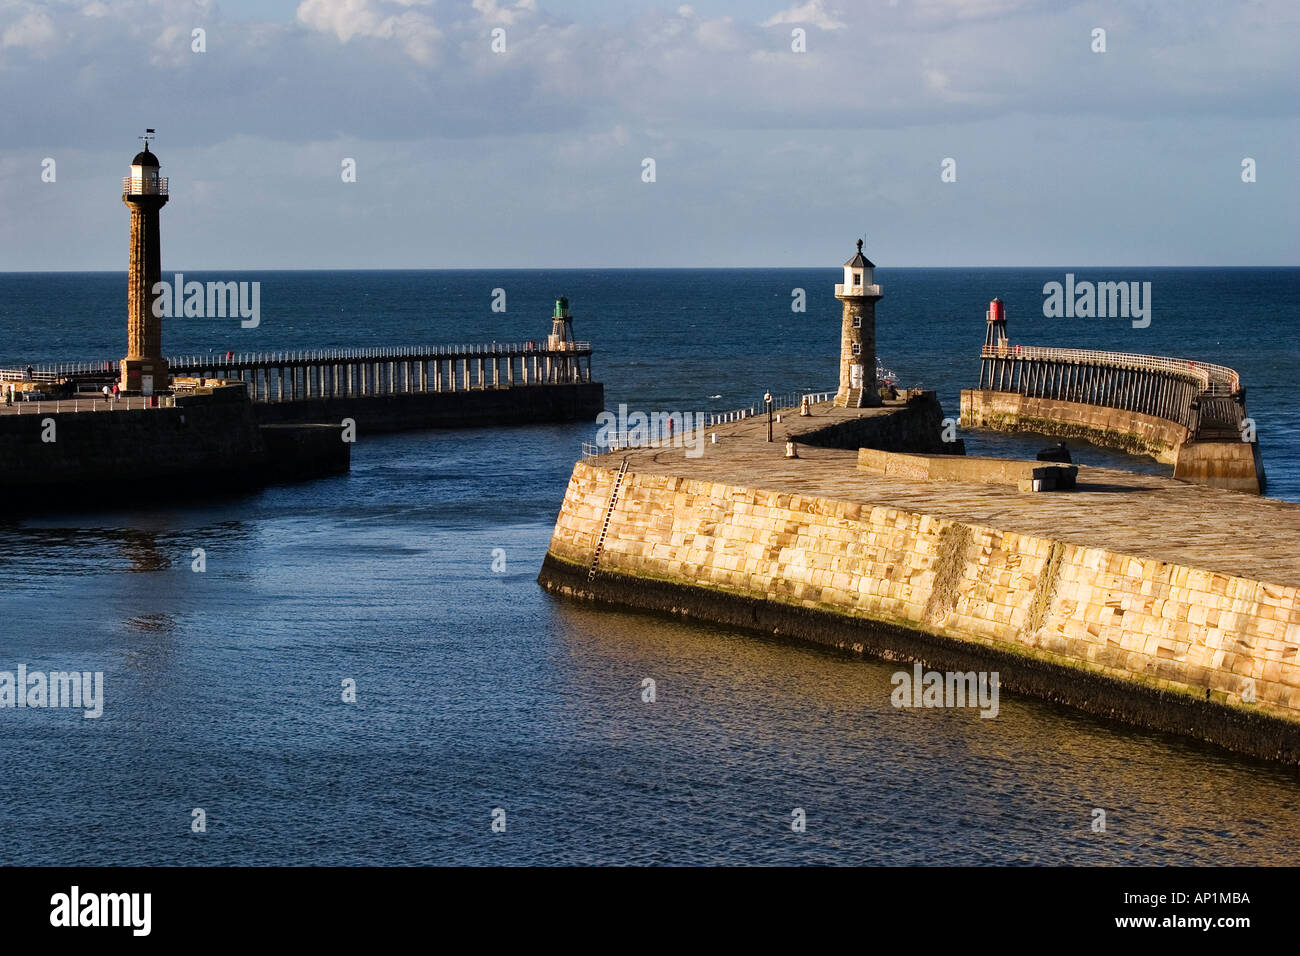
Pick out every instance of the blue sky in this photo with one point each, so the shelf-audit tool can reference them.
(533, 157)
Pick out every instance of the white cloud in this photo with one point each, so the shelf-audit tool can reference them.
(414, 30)
(388, 69)
(34, 30)
(494, 12)
(813, 12)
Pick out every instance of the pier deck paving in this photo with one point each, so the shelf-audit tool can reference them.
(1147, 516)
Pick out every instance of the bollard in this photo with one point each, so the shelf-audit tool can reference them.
(804, 410)
(790, 451)
(713, 438)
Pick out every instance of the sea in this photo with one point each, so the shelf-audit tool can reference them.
(366, 671)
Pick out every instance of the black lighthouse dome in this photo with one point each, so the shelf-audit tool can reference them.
(145, 158)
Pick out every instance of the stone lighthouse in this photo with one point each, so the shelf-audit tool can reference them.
(145, 193)
(858, 387)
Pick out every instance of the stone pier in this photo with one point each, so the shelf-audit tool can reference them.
(1137, 597)
(1186, 413)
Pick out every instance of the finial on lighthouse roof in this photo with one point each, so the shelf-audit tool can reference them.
(860, 261)
(144, 157)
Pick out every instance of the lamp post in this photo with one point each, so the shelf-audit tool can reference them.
(767, 399)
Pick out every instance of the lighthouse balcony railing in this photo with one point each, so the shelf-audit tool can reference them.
(843, 289)
(144, 186)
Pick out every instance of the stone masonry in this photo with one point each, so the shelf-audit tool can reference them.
(1186, 592)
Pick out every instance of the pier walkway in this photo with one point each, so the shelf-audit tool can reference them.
(353, 373)
(1197, 395)
(1147, 516)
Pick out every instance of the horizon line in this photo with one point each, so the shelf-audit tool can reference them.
(624, 269)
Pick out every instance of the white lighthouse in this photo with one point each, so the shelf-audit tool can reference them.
(858, 292)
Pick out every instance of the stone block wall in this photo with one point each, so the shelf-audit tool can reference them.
(1235, 465)
(1112, 427)
(208, 443)
(1179, 633)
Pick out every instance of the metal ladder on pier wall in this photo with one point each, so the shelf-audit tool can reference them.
(604, 528)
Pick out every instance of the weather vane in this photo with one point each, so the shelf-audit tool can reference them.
(148, 135)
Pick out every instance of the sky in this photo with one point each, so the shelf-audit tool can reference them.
(947, 132)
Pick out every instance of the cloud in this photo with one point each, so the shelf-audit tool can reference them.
(494, 12)
(393, 70)
(813, 12)
(367, 18)
(35, 30)
(413, 29)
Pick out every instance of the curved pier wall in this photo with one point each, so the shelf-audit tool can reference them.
(1137, 639)
(1111, 427)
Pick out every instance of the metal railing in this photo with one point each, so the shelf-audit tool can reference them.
(398, 353)
(87, 404)
(652, 435)
(1201, 396)
(15, 375)
(55, 373)
(144, 186)
(1210, 377)
(723, 418)
(842, 289)
(48, 372)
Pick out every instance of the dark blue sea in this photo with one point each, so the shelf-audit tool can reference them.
(475, 690)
